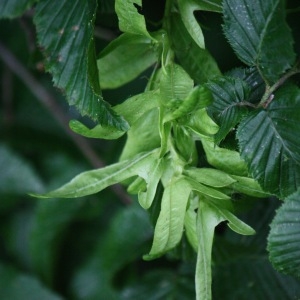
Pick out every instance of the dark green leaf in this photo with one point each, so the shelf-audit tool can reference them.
(284, 237)
(270, 143)
(230, 96)
(14, 8)
(196, 61)
(15, 285)
(67, 39)
(124, 59)
(258, 33)
(209, 5)
(17, 176)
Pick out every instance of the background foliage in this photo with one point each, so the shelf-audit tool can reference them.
(90, 247)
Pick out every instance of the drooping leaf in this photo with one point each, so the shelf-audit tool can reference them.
(124, 59)
(186, 9)
(91, 182)
(17, 176)
(224, 159)
(190, 222)
(270, 143)
(196, 61)
(19, 286)
(260, 36)
(67, 39)
(130, 19)
(170, 223)
(14, 8)
(284, 237)
(227, 109)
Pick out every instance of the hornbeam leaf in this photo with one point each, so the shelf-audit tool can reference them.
(170, 223)
(91, 182)
(270, 143)
(228, 107)
(260, 36)
(130, 19)
(65, 32)
(14, 8)
(284, 237)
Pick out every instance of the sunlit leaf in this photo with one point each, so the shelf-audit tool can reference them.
(284, 237)
(66, 37)
(260, 36)
(270, 143)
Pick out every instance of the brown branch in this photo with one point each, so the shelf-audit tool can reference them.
(49, 102)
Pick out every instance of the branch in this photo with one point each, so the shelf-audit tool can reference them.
(49, 102)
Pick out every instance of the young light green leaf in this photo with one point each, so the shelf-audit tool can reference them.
(91, 182)
(207, 220)
(130, 19)
(284, 237)
(186, 9)
(210, 177)
(175, 84)
(198, 98)
(67, 38)
(14, 8)
(155, 172)
(170, 223)
(229, 105)
(133, 52)
(99, 131)
(143, 135)
(248, 186)
(260, 36)
(226, 160)
(201, 124)
(270, 143)
(196, 61)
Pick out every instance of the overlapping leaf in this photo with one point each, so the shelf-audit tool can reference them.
(65, 31)
(260, 36)
(228, 107)
(270, 143)
(14, 8)
(284, 237)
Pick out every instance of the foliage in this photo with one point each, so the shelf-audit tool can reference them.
(205, 144)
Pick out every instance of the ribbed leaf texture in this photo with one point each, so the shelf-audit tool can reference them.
(259, 35)
(270, 143)
(65, 32)
(284, 237)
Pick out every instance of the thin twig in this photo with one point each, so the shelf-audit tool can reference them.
(49, 102)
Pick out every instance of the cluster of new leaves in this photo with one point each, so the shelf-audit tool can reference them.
(164, 123)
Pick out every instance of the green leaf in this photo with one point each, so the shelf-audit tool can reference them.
(209, 5)
(17, 176)
(15, 285)
(190, 223)
(226, 160)
(259, 35)
(270, 143)
(133, 53)
(210, 177)
(170, 223)
(284, 237)
(14, 8)
(91, 182)
(186, 9)
(143, 135)
(248, 186)
(67, 40)
(130, 20)
(175, 84)
(196, 61)
(230, 96)
(207, 220)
